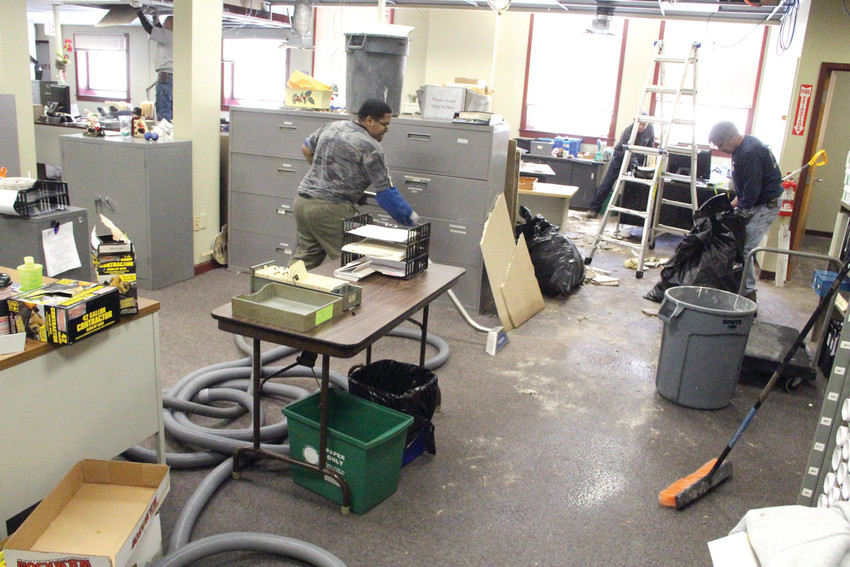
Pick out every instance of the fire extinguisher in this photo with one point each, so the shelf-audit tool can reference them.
(787, 208)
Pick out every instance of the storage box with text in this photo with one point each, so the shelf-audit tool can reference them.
(99, 515)
(64, 311)
(115, 265)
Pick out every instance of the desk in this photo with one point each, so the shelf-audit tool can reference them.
(536, 169)
(564, 192)
(387, 302)
(586, 174)
(93, 399)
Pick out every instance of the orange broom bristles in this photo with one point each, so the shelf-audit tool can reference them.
(667, 497)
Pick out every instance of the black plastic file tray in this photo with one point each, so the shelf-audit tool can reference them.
(288, 306)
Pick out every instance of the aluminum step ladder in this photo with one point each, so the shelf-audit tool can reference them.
(656, 90)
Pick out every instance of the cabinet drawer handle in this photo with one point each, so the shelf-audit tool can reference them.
(286, 170)
(457, 229)
(284, 210)
(416, 186)
(286, 126)
(418, 137)
(283, 247)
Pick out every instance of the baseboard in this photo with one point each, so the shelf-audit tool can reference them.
(206, 267)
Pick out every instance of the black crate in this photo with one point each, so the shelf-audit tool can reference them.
(417, 244)
(43, 197)
(830, 346)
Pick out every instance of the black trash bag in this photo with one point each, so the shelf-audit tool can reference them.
(558, 264)
(407, 388)
(710, 255)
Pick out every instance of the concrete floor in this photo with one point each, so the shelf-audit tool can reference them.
(550, 453)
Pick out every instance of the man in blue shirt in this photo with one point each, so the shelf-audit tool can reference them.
(757, 182)
(346, 159)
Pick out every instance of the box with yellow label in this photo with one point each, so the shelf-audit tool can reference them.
(65, 311)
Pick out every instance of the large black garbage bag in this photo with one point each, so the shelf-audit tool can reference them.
(408, 388)
(710, 255)
(558, 264)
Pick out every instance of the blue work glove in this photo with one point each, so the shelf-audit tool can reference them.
(391, 201)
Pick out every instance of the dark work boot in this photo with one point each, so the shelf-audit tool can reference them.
(591, 215)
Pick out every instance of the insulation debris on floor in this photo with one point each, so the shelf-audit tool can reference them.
(650, 262)
(598, 276)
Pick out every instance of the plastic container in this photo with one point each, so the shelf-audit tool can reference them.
(5, 293)
(365, 444)
(705, 337)
(30, 274)
(126, 123)
(374, 68)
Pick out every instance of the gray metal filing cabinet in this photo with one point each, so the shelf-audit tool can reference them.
(23, 237)
(145, 188)
(450, 174)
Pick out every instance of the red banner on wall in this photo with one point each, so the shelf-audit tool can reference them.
(802, 110)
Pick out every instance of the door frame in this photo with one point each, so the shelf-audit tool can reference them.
(820, 114)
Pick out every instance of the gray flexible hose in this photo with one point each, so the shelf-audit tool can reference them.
(250, 541)
(230, 382)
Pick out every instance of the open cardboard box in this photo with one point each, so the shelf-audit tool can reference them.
(99, 515)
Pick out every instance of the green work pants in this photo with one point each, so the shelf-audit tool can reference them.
(319, 225)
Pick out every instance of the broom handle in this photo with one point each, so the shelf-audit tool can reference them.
(824, 301)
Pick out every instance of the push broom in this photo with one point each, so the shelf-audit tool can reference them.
(691, 488)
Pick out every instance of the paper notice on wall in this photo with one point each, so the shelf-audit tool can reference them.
(60, 249)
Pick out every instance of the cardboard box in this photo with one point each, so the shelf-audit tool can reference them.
(99, 515)
(441, 102)
(65, 311)
(114, 260)
(306, 98)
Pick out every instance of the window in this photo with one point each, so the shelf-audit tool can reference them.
(254, 72)
(102, 66)
(572, 76)
(727, 74)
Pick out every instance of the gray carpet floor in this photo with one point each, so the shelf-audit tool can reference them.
(550, 453)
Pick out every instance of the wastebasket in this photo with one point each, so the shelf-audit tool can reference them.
(407, 388)
(374, 68)
(705, 336)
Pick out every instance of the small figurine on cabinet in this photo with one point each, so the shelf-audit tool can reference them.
(139, 124)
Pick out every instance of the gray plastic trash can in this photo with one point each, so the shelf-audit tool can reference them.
(374, 68)
(705, 336)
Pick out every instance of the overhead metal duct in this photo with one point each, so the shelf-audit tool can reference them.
(301, 32)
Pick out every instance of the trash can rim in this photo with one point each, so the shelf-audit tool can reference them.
(751, 305)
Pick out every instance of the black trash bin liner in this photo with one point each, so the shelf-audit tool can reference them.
(710, 255)
(558, 264)
(407, 388)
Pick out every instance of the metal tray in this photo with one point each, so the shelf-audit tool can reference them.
(288, 306)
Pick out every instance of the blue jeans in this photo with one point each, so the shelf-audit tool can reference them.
(757, 227)
(164, 100)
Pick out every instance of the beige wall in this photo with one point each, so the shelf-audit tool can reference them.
(15, 73)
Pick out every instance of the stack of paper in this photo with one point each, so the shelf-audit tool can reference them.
(385, 257)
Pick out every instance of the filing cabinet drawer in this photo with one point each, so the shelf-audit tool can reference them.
(246, 249)
(452, 152)
(273, 133)
(455, 243)
(266, 175)
(262, 214)
(438, 196)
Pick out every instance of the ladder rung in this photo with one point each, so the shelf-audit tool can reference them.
(670, 90)
(686, 122)
(633, 179)
(641, 214)
(682, 150)
(671, 60)
(620, 242)
(645, 150)
(677, 177)
(663, 228)
(673, 203)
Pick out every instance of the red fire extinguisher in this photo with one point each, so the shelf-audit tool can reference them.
(787, 208)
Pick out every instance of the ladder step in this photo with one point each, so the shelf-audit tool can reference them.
(677, 177)
(658, 59)
(645, 150)
(670, 90)
(681, 150)
(641, 214)
(620, 242)
(673, 203)
(666, 229)
(633, 179)
(666, 121)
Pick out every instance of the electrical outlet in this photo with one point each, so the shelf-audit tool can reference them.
(203, 221)
(196, 223)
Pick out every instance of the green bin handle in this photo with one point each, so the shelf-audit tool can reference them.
(362, 41)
